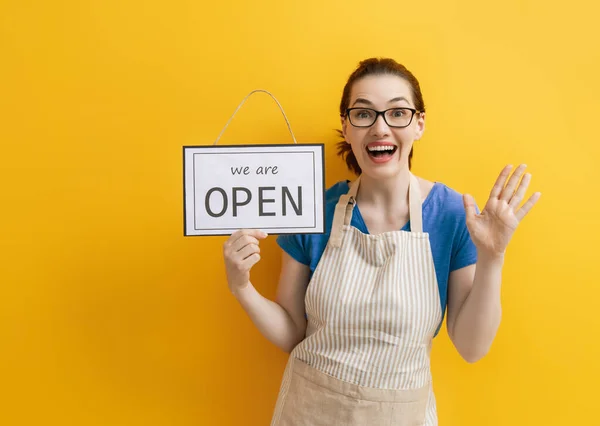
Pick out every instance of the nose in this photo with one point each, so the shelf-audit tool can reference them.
(380, 128)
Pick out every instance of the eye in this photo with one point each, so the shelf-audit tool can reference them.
(362, 113)
(397, 113)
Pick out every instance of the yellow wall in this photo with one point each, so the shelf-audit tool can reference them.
(109, 316)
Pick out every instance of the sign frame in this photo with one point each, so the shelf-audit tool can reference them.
(278, 230)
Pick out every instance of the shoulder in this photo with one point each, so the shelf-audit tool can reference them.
(445, 218)
(332, 196)
(333, 193)
(438, 192)
(308, 248)
(443, 209)
(445, 200)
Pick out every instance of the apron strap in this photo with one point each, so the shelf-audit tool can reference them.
(343, 210)
(415, 205)
(343, 214)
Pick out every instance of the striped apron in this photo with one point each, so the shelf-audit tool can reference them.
(373, 307)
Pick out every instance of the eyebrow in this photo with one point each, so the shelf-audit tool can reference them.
(368, 102)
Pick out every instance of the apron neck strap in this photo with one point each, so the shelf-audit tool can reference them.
(415, 205)
(343, 209)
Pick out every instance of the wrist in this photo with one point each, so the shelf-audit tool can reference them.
(239, 290)
(490, 258)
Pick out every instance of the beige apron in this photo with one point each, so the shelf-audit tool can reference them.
(373, 308)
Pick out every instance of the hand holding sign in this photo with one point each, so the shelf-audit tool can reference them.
(241, 252)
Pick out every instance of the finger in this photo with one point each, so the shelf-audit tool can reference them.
(251, 261)
(497, 188)
(247, 251)
(233, 237)
(256, 233)
(518, 197)
(509, 190)
(526, 208)
(244, 241)
(470, 208)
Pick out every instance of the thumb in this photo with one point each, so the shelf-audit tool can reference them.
(469, 203)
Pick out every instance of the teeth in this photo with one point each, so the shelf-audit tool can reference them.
(381, 148)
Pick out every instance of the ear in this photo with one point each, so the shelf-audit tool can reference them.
(420, 128)
(344, 123)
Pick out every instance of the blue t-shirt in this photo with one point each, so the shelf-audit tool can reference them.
(444, 219)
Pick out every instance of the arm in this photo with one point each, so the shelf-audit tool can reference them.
(281, 321)
(474, 308)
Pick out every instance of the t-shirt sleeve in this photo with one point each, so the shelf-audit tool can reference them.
(295, 246)
(464, 252)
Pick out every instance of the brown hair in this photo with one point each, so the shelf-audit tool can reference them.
(375, 66)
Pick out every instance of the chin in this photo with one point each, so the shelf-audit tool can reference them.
(384, 171)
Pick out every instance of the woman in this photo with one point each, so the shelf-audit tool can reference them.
(358, 306)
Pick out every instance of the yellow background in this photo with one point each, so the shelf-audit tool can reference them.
(109, 316)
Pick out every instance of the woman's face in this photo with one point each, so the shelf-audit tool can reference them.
(381, 150)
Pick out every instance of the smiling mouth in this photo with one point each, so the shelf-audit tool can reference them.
(381, 151)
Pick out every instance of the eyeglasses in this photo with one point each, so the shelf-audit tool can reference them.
(394, 117)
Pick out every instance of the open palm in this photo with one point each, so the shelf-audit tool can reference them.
(492, 229)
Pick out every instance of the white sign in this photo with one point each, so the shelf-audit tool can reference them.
(276, 188)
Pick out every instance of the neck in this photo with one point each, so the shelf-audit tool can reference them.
(390, 193)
